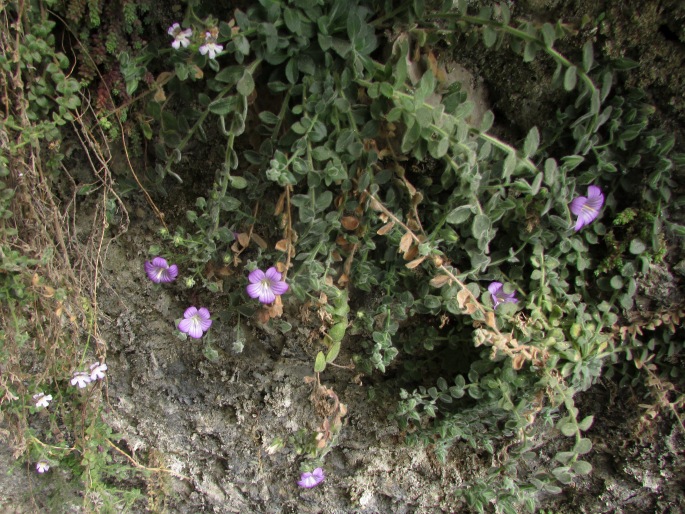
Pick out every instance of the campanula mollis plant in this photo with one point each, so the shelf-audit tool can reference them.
(493, 235)
(339, 157)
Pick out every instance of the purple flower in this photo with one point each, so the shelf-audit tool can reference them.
(196, 322)
(499, 296)
(80, 379)
(97, 371)
(266, 286)
(587, 207)
(42, 399)
(210, 47)
(180, 36)
(311, 479)
(42, 466)
(159, 270)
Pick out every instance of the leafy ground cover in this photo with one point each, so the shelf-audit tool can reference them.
(387, 258)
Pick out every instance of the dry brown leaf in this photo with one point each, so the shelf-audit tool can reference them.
(385, 228)
(343, 280)
(518, 361)
(375, 205)
(470, 308)
(163, 77)
(439, 280)
(411, 253)
(349, 222)
(490, 320)
(260, 242)
(159, 95)
(280, 266)
(282, 245)
(243, 239)
(405, 242)
(415, 262)
(462, 296)
(335, 255)
(279, 204)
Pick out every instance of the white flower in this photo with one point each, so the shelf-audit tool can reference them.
(210, 47)
(180, 36)
(42, 400)
(97, 371)
(42, 466)
(81, 379)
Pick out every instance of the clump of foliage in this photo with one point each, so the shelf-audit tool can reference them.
(336, 147)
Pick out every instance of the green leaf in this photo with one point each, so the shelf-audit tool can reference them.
(582, 467)
(320, 363)
(567, 428)
(268, 118)
(586, 423)
(481, 225)
(489, 36)
(488, 120)
(588, 56)
(292, 20)
(509, 165)
(530, 146)
(637, 247)
(333, 352)
(245, 85)
(583, 446)
(237, 182)
(570, 78)
(337, 331)
(548, 34)
(459, 215)
(230, 75)
(616, 282)
(222, 106)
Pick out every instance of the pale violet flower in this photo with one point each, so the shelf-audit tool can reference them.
(42, 400)
(159, 270)
(311, 479)
(97, 371)
(42, 466)
(181, 37)
(196, 322)
(266, 286)
(499, 296)
(587, 207)
(210, 47)
(80, 379)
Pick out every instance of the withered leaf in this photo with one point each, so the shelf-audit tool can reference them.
(385, 228)
(282, 245)
(349, 222)
(439, 280)
(405, 242)
(260, 242)
(490, 319)
(415, 262)
(243, 239)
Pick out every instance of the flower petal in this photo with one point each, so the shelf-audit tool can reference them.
(173, 272)
(184, 325)
(495, 287)
(279, 287)
(203, 312)
(205, 324)
(267, 295)
(190, 312)
(160, 262)
(255, 290)
(256, 276)
(273, 275)
(577, 205)
(195, 330)
(594, 192)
